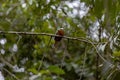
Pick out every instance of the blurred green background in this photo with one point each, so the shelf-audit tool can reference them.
(32, 57)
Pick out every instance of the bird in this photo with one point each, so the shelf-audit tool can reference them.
(57, 39)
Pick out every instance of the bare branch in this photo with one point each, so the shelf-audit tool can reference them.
(44, 34)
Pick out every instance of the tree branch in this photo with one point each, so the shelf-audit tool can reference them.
(86, 40)
(11, 74)
(5, 62)
(44, 34)
(53, 35)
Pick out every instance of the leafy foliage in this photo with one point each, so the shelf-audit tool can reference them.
(94, 22)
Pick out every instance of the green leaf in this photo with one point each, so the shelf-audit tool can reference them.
(48, 78)
(98, 10)
(56, 70)
(45, 72)
(33, 70)
(116, 53)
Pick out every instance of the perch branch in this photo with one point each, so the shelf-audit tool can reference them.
(44, 34)
(53, 35)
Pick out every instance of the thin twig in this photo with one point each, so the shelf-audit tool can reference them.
(42, 59)
(11, 74)
(5, 62)
(9, 65)
(84, 60)
(111, 74)
(19, 38)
